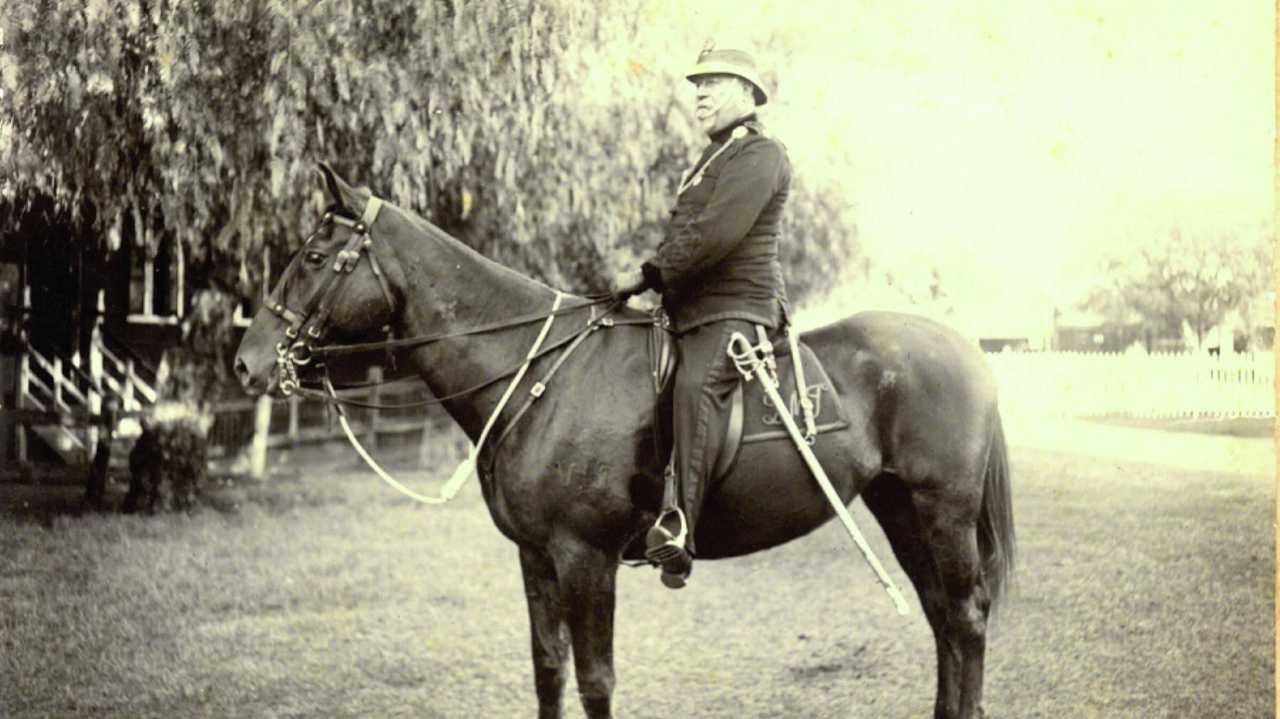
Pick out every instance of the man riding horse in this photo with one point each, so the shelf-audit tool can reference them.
(573, 483)
(718, 271)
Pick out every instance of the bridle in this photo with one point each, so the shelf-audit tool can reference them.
(308, 325)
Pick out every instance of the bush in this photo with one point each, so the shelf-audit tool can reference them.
(169, 461)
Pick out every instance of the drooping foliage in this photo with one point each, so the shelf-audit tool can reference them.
(548, 135)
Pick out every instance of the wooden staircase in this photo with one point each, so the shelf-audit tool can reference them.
(76, 391)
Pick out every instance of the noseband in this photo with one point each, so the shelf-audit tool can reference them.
(307, 326)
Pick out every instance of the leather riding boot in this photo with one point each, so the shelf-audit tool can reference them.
(704, 383)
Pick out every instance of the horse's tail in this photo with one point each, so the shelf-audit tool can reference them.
(995, 522)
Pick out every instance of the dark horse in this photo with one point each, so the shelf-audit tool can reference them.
(577, 477)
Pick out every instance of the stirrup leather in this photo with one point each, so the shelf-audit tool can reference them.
(661, 546)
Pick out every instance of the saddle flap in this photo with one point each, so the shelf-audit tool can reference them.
(762, 420)
(732, 434)
(753, 417)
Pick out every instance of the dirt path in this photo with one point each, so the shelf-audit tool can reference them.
(1182, 450)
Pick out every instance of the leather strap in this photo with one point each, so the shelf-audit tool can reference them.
(540, 387)
(604, 321)
(329, 292)
(356, 348)
(802, 389)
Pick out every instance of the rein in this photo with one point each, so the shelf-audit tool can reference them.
(596, 322)
(394, 344)
(468, 466)
(307, 327)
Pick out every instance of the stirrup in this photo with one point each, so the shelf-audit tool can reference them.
(667, 550)
(660, 543)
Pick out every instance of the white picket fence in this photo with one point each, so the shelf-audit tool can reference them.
(1098, 384)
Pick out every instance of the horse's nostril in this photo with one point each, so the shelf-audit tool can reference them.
(242, 372)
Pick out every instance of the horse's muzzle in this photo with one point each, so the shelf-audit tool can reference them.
(255, 384)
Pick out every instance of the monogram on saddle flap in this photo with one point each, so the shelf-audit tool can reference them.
(762, 421)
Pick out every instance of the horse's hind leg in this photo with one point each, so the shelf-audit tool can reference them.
(949, 517)
(548, 631)
(890, 502)
(587, 583)
(934, 537)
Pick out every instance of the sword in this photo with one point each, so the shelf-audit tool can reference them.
(751, 365)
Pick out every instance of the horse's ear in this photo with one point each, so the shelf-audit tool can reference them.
(338, 189)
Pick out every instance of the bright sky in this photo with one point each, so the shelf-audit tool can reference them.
(1012, 144)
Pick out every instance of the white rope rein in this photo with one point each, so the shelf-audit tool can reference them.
(467, 467)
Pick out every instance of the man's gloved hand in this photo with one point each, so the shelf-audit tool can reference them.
(626, 284)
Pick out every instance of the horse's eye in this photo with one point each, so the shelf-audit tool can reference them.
(313, 258)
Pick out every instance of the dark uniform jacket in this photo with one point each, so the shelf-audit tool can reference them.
(719, 259)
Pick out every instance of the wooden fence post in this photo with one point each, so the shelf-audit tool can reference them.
(24, 386)
(295, 403)
(261, 433)
(96, 382)
(375, 394)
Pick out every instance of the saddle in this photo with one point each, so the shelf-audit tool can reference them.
(752, 416)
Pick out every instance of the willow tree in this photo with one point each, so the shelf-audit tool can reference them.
(545, 134)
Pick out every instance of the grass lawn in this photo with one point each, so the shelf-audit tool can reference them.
(1140, 592)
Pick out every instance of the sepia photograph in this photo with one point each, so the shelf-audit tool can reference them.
(638, 358)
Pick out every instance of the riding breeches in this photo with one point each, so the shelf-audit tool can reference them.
(704, 383)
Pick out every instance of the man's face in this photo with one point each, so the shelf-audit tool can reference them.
(722, 100)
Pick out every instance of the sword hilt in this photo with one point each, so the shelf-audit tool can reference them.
(744, 355)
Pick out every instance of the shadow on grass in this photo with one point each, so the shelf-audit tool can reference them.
(316, 477)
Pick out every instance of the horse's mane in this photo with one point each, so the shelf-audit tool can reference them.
(435, 232)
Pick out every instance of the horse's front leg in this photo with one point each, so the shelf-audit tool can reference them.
(547, 629)
(587, 584)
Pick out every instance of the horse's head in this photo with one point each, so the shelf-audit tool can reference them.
(335, 289)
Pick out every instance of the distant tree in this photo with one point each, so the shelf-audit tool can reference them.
(1184, 279)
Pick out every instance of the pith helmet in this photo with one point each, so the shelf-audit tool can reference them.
(730, 62)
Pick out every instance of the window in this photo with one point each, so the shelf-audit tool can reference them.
(157, 284)
(158, 292)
